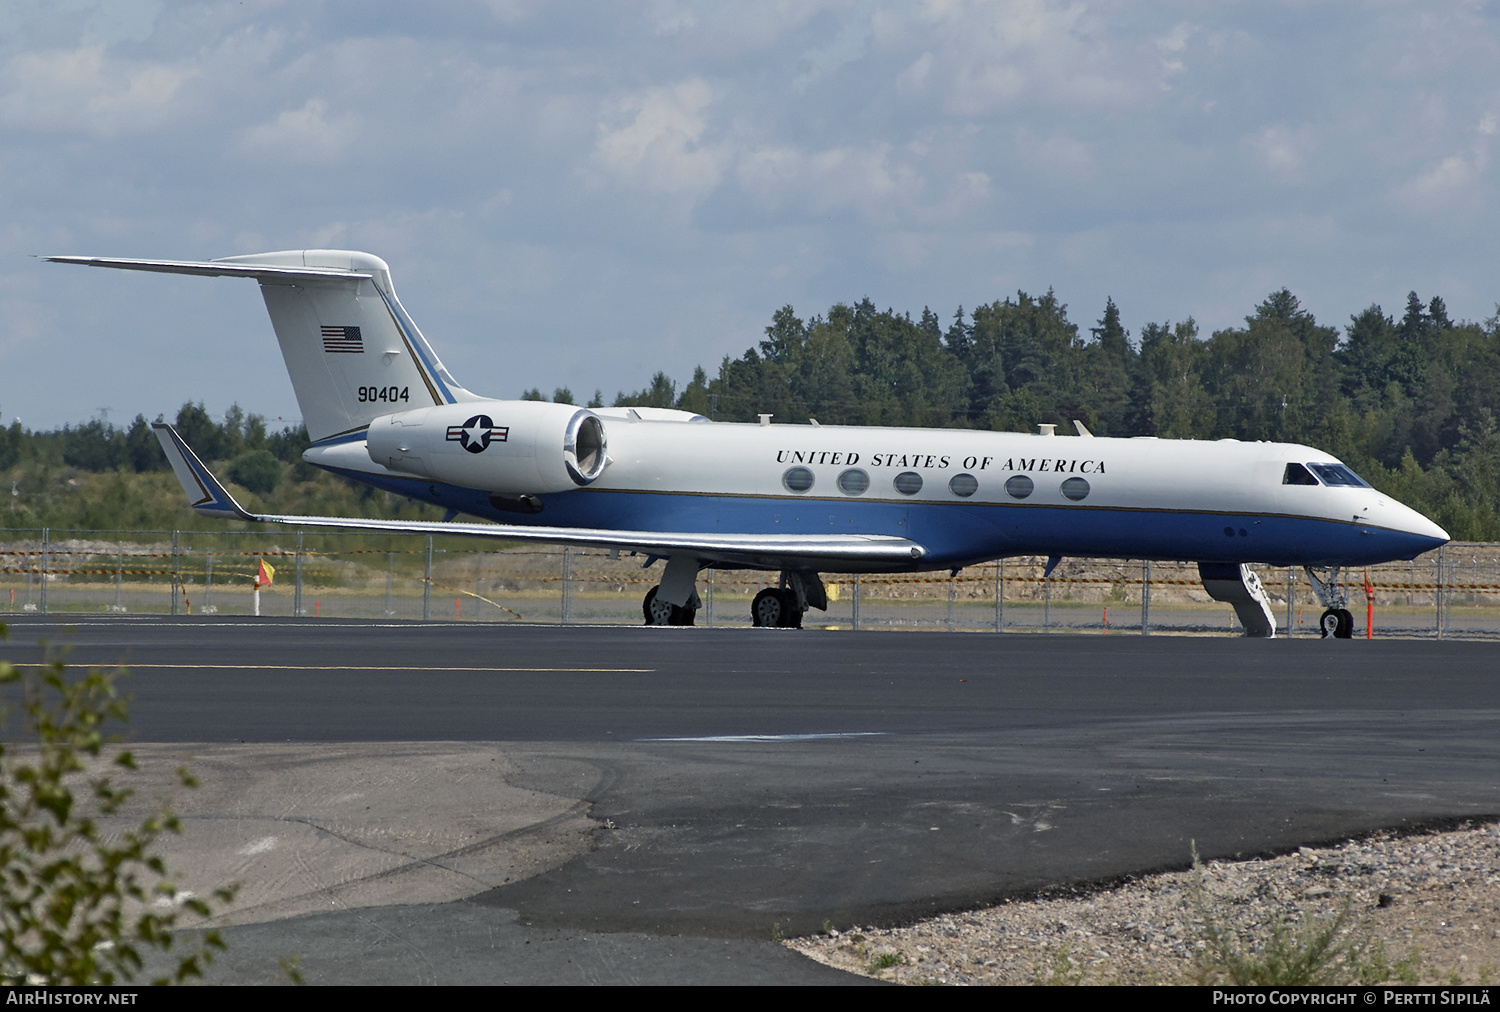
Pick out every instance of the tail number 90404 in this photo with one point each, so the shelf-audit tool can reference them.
(386, 394)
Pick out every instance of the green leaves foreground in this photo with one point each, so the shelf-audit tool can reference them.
(80, 904)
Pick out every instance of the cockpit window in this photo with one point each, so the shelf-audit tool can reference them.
(1338, 475)
(1296, 474)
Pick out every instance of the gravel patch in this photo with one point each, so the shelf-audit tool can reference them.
(1429, 904)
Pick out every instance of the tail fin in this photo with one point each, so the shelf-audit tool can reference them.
(351, 350)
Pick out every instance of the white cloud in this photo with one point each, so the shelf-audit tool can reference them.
(844, 178)
(306, 136)
(996, 56)
(85, 89)
(1173, 45)
(1284, 150)
(913, 80)
(850, 44)
(1058, 156)
(1456, 182)
(660, 146)
(1452, 180)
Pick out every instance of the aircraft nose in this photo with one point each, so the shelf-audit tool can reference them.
(1409, 521)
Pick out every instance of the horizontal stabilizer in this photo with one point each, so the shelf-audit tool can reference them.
(215, 268)
(208, 497)
(351, 350)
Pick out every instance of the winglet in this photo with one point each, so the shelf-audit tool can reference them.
(204, 492)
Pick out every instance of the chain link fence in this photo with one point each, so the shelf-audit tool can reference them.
(1452, 592)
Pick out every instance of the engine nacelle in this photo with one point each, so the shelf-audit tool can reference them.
(524, 447)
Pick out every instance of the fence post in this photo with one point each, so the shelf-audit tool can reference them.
(1047, 603)
(390, 580)
(855, 609)
(1146, 598)
(1439, 596)
(297, 589)
(119, 577)
(999, 590)
(176, 570)
(952, 587)
(1291, 597)
(710, 604)
(567, 587)
(46, 565)
(427, 584)
(208, 582)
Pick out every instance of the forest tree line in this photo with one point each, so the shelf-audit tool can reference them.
(1409, 403)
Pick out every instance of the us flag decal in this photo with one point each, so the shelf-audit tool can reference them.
(343, 339)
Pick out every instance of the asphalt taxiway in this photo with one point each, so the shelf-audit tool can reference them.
(487, 803)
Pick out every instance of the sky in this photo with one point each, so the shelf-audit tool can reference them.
(581, 194)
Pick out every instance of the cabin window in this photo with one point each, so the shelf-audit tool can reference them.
(908, 483)
(797, 479)
(854, 482)
(1076, 489)
(1338, 475)
(1296, 474)
(1019, 486)
(963, 485)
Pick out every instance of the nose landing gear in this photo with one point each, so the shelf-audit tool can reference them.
(1337, 621)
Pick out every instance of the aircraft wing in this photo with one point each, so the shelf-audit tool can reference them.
(210, 498)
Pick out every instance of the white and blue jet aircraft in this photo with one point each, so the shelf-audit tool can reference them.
(797, 499)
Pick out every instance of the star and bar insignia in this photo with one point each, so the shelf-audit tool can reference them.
(477, 433)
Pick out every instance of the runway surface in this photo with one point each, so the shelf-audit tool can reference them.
(727, 784)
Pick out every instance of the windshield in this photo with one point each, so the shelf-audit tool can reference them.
(1338, 474)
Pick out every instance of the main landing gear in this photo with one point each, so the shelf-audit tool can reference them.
(1337, 621)
(773, 608)
(659, 612)
(783, 607)
(674, 601)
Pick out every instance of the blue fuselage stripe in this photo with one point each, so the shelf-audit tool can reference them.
(953, 533)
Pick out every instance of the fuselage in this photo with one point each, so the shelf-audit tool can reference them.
(964, 495)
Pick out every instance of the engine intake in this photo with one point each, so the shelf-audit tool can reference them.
(515, 447)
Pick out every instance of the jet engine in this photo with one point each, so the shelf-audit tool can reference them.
(528, 447)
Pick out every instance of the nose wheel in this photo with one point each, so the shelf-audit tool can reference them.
(1338, 623)
(1337, 620)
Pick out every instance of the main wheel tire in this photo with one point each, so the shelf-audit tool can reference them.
(1346, 625)
(1331, 623)
(661, 613)
(768, 610)
(791, 616)
(658, 612)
